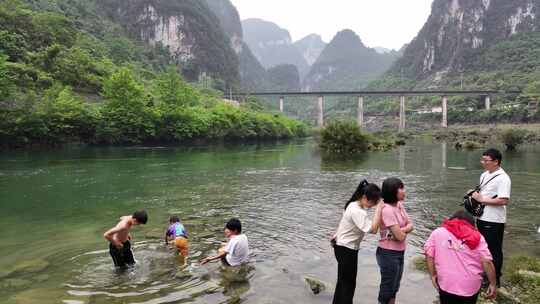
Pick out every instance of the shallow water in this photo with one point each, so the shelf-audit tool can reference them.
(56, 206)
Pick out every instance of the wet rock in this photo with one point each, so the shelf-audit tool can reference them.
(30, 266)
(14, 283)
(315, 285)
(529, 274)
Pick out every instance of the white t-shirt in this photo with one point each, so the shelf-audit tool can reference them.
(499, 186)
(352, 227)
(237, 250)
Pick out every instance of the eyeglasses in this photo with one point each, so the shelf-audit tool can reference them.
(483, 160)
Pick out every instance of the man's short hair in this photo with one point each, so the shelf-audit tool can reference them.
(140, 216)
(174, 219)
(494, 154)
(234, 224)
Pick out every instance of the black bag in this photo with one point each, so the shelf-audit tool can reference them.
(473, 206)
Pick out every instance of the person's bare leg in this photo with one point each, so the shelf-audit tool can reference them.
(392, 301)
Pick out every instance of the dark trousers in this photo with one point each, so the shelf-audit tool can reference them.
(122, 257)
(391, 265)
(494, 234)
(347, 268)
(448, 298)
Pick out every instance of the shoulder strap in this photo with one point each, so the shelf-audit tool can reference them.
(483, 185)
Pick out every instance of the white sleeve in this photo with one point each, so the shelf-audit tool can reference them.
(504, 187)
(361, 221)
(229, 248)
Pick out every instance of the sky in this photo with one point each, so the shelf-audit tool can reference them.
(379, 23)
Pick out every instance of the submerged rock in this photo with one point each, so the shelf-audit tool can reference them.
(5, 273)
(30, 266)
(238, 274)
(14, 283)
(315, 285)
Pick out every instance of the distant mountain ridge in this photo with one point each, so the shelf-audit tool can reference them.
(272, 45)
(347, 64)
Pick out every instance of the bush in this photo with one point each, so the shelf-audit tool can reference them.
(512, 138)
(344, 137)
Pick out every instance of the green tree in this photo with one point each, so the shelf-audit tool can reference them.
(6, 84)
(67, 116)
(126, 115)
(172, 91)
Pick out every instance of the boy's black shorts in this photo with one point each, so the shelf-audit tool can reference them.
(122, 257)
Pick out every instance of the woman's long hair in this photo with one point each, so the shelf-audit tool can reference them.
(371, 191)
(390, 188)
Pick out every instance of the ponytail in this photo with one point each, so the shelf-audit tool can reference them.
(371, 191)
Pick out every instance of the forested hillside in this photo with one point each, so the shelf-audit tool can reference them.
(69, 72)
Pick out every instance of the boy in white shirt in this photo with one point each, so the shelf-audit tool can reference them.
(236, 251)
(495, 187)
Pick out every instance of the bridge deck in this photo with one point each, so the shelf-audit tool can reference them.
(384, 93)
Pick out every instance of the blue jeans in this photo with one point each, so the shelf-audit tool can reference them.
(391, 265)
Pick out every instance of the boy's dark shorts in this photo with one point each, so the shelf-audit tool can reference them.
(122, 257)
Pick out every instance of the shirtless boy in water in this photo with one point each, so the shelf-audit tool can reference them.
(119, 237)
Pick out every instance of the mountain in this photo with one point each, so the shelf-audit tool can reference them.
(494, 44)
(284, 78)
(347, 64)
(310, 47)
(188, 29)
(272, 45)
(229, 20)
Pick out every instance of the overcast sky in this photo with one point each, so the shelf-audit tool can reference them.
(386, 23)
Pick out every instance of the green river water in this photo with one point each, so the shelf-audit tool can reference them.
(56, 205)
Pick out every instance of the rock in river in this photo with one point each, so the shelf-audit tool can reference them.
(314, 284)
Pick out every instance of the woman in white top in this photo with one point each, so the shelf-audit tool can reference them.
(346, 242)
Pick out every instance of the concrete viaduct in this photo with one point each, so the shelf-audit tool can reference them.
(486, 94)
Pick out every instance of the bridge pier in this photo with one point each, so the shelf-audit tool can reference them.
(281, 104)
(487, 101)
(444, 122)
(401, 113)
(320, 113)
(360, 113)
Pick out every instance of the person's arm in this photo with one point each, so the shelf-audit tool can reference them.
(408, 228)
(498, 201)
(109, 235)
(432, 272)
(213, 258)
(397, 233)
(489, 268)
(167, 236)
(376, 223)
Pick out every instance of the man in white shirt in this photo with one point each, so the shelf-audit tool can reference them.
(494, 193)
(236, 251)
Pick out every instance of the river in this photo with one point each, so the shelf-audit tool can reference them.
(56, 205)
